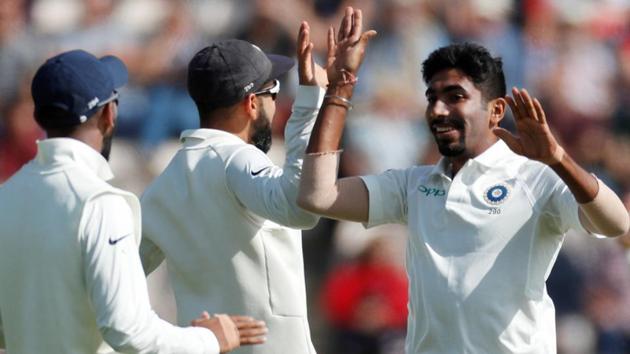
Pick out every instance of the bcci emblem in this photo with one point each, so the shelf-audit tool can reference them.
(496, 194)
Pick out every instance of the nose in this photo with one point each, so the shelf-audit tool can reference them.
(437, 109)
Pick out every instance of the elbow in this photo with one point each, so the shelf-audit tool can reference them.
(310, 203)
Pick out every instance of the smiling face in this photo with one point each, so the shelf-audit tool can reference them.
(459, 117)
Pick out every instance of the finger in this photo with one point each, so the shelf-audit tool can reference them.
(510, 101)
(346, 24)
(253, 340)
(241, 318)
(520, 103)
(357, 26)
(251, 325)
(540, 111)
(512, 141)
(365, 37)
(252, 332)
(332, 46)
(302, 36)
(205, 315)
(529, 105)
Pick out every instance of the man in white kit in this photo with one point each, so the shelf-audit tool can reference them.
(70, 272)
(486, 223)
(222, 214)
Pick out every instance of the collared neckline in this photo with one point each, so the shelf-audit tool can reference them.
(63, 150)
(488, 158)
(205, 133)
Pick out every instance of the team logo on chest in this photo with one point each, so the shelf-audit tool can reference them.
(497, 194)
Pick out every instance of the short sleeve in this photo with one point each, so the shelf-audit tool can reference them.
(387, 197)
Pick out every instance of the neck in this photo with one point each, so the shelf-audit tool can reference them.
(90, 137)
(457, 162)
(228, 125)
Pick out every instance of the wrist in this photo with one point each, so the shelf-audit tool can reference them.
(340, 89)
(557, 157)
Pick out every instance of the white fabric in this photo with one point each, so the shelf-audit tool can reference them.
(70, 273)
(477, 270)
(225, 219)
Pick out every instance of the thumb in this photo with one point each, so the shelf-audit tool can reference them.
(205, 315)
(511, 140)
(366, 36)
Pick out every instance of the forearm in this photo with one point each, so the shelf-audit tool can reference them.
(601, 211)
(328, 129)
(320, 191)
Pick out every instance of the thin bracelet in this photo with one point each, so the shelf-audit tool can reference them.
(346, 101)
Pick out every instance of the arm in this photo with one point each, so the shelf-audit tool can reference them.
(117, 290)
(320, 191)
(600, 210)
(265, 189)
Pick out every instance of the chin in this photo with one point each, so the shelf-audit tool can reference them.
(451, 151)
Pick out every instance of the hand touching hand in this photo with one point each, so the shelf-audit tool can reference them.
(346, 53)
(534, 139)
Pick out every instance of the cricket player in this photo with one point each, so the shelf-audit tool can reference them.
(70, 271)
(222, 214)
(486, 223)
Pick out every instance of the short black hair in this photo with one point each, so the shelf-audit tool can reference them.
(473, 60)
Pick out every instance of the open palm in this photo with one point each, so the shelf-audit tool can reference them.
(534, 139)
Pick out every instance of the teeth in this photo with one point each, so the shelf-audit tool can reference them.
(443, 129)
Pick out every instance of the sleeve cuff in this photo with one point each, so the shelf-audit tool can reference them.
(374, 198)
(309, 97)
(208, 340)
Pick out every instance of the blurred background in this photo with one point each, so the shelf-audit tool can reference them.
(574, 55)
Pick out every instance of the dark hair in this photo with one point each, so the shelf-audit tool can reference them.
(49, 117)
(473, 60)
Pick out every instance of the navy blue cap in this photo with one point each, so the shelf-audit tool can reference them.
(76, 83)
(225, 72)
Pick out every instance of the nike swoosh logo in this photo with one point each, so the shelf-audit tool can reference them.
(115, 241)
(256, 173)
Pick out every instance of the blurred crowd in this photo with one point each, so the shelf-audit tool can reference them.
(574, 55)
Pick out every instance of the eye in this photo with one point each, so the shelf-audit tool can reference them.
(431, 99)
(456, 97)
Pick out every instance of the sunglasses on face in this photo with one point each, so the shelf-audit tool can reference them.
(273, 90)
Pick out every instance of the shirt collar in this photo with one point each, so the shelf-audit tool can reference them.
(189, 136)
(64, 150)
(488, 158)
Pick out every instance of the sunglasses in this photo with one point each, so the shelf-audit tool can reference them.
(273, 90)
(113, 97)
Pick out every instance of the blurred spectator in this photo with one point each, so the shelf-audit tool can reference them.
(19, 132)
(366, 302)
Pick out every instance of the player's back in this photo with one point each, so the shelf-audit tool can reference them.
(43, 299)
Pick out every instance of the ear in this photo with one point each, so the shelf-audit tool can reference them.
(251, 105)
(496, 107)
(107, 118)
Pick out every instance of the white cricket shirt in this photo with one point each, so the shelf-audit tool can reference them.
(70, 272)
(481, 246)
(225, 219)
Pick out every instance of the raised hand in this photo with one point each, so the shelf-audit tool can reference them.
(310, 73)
(346, 53)
(534, 139)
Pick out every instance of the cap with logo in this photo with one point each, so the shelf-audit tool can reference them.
(76, 83)
(225, 72)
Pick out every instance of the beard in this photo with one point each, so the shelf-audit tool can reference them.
(107, 146)
(449, 147)
(261, 137)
